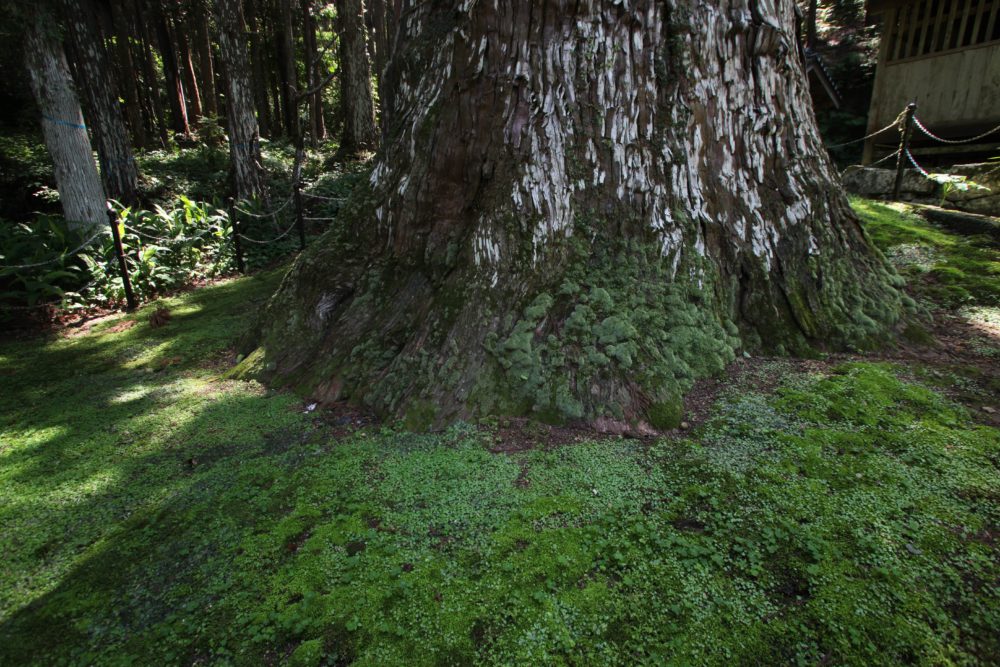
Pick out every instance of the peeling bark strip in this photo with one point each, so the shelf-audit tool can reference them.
(580, 207)
(65, 134)
(118, 168)
(244, 137)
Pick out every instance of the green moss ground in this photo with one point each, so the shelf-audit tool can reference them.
(154, 513)
(943, 267)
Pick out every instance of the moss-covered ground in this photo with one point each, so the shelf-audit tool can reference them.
(825, 513)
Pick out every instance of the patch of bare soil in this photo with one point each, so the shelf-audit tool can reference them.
(510, 435)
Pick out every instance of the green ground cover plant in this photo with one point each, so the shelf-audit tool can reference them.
(153, 512)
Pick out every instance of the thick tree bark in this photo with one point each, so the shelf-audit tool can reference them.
(65, 134)
(582, 208)
(244, 137)
(118, 168)
(356, 100)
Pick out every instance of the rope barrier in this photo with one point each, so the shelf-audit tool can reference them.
(914, 163)
(309, 194)
(890, 155)
(277, 238)
(318, 219)
(56, 259)
(873, 134)
(160, 239)
(922, 128)
(108, 258)
(269, 214)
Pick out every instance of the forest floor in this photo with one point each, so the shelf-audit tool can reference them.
(840, 510)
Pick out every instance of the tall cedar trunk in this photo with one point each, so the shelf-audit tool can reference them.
(289, 84)
(258, 62)
(193, 95)
(582, 208)
(127, 75)
(244, 137)
(65, 135)
(811, 25)
(385, 89)
(355, 80)
(118, 167)
(203, 50)
(380, 37)
(314, 74)
(150, 80)
(171, 72)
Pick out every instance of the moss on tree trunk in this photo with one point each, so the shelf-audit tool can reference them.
(581, 208)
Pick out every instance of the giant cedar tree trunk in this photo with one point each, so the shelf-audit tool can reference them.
(356, 99)
(118, 168)
(77, 180)
(244, 137)
(582, 207)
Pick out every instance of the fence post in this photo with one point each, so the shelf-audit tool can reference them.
(235, 222)
(298, 216)
(130, 302)
(904, 147)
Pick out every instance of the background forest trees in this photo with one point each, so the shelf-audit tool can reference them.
(158, 76)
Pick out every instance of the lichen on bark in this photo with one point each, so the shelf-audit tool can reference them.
(581, 208)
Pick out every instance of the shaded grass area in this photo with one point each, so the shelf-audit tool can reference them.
(155, 514)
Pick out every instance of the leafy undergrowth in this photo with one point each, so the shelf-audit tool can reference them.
(152, 513)
(946, 268)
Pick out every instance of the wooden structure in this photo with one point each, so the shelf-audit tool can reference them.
(945, 56)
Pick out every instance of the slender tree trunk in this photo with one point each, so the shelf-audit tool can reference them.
(355, 80)
(171, 71)
(206, 69)
(127, 76)
(314, 74)
(193, 95)
(244, 136)
(65, 134)
(149, 74)
(582, 208)
(118, 167)
(375, 19)
(288, 78)
(811, 25)
(260, 90)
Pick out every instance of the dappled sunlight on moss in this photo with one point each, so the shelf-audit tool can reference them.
(164, 515)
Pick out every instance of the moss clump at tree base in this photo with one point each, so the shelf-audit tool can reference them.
(600, 327)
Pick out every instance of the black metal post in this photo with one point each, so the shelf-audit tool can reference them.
(235, 222)
(298, 216)
(904, 148)
(130, 302)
